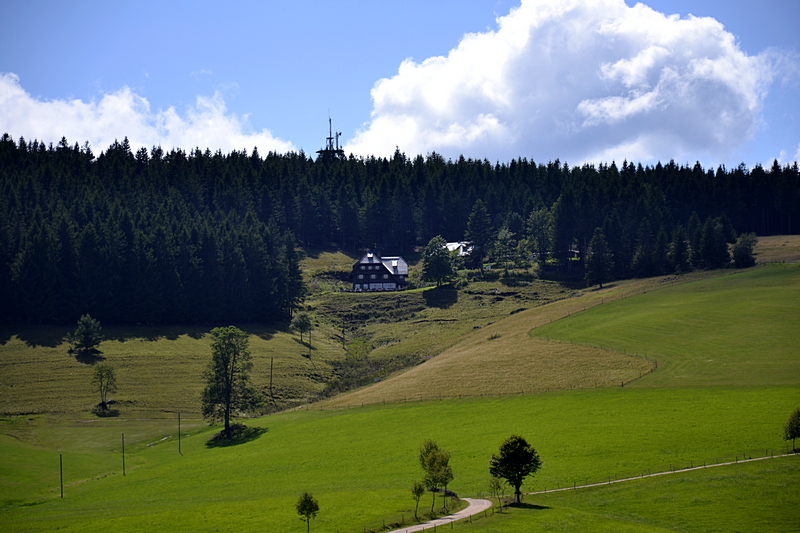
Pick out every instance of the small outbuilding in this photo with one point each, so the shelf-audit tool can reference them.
(375, 273)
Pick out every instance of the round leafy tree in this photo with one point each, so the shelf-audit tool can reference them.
(307, 507)
(227, 378)
(517, 460)
(791, 430)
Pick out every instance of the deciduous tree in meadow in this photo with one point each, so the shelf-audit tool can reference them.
(228, 377)
(104, 381)
(496, 485)
(791, 430)
(436, 464)
(307, 507)
(743, 250)
(302, 323)
(516, 461)
(417, 490)
(437, 265)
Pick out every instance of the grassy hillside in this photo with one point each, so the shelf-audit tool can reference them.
(706, 328)
(755, 496)
(158, 369)
(360, 463)
(738, 329)
(778, 249)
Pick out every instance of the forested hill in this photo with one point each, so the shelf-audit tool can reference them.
(156, 236)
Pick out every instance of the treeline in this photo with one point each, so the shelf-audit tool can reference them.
(144, 238)
(155, 236)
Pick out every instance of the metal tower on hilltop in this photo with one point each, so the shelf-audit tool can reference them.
(332, 149)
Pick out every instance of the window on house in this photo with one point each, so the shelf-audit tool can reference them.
(372, 276)
(361, 276)
(386, 276)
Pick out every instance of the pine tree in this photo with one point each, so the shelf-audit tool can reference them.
(479, 232)
(600, 262)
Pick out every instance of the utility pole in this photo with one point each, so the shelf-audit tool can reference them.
(271, 396)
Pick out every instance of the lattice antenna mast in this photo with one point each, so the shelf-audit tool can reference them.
(329, 138)
(332, 147)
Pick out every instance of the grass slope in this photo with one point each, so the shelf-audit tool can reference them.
(158, 369)
(360, 463)
(501, 358)
(738, 329)
(758, 496)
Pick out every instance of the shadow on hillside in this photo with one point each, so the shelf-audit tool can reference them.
(241, 435)
(441, 297)
(263, 332)
(595, 288)
(153, 333)
(304, 344)
(36, 336)
(171, 333)
(89, 357)
(55, 336)
(523, 505)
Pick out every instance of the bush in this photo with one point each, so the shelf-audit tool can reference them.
(743, 250)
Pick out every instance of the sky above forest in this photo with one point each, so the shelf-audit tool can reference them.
(715, 81)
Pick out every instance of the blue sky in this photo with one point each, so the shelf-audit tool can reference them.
(579, 80)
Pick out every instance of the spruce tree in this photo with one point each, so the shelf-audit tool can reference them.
(600, 262)
(86, 337)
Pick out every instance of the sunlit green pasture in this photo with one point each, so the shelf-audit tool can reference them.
(758, 496)
(737, 329)
(360, 463)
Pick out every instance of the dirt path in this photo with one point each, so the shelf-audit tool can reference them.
(610, 481)
(474, 506)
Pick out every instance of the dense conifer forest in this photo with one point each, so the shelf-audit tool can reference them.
(172, 237)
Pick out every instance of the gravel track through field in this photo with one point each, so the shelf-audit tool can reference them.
(474, 506)
(477, 506)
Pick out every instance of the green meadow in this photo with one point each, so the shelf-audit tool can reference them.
(754, 496)
(728, 377)
(735, 329)
(360, 463)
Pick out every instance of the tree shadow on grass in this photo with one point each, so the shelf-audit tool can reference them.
(441, 297)
(523, 505)
(35, 336)
(88, 357)
(241, 435)
(152, 333)
(304, 344)
(105, 412)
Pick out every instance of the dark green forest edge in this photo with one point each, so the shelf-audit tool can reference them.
(159, 237)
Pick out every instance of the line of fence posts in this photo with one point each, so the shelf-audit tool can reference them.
(768, 452)
(672, 468)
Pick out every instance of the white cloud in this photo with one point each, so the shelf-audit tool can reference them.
(123, 113)
(580, 80)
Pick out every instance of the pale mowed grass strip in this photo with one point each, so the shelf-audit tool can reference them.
(778, 249)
